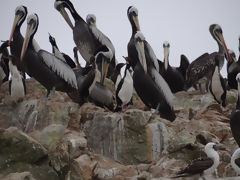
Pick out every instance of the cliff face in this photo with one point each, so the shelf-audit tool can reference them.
(54, 138)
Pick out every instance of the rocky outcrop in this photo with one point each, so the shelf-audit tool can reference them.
(54, 138)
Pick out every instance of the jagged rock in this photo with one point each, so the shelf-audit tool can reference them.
(77, 138)
(60, 159)
(17, 146)
(85, 166)
(126, 137)
(109, 169)
(51, 135)
(19, 153)
(76, 142)
(18, 176)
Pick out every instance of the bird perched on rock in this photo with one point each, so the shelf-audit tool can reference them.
(124, 88)
(203, 166)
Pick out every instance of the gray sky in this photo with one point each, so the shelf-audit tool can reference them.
(184, 23)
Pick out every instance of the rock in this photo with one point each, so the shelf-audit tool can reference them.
(76, 142)
(17, 146)
(109, 169)
(20, 153)
(18, 176)
(51, 135)
(86, 166)
(126, 137)
(88, 142)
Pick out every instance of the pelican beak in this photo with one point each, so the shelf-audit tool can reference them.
(166, 55)
(66, 17)
(104, 70)
(136, 22)
(16, 20)
(225, 47)
(26, 41)
(141, 55)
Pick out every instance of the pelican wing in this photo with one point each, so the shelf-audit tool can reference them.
(162, 85)
(149, 53)
(59, 67)
(101, 38)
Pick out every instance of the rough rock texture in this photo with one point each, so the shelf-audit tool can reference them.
(54, 138)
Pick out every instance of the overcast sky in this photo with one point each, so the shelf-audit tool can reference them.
(184, 23)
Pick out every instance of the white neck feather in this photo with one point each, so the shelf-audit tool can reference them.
(211, 153)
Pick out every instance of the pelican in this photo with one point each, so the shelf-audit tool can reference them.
(88, 38)
(172, 76)
(201, 68)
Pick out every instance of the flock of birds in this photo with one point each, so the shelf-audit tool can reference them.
(154, 80)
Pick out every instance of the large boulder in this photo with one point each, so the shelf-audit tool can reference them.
(20, 153)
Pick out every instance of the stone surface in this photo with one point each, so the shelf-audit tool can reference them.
(56, 139)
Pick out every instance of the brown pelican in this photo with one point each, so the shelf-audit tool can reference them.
(16, 38)
(47, 69)
(171, 75)
(59, 54)
(235, 116)
(88, 38)
(203, 166)
(202, 67)
(148, 83)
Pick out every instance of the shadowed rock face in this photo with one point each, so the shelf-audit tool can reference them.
(57, 139)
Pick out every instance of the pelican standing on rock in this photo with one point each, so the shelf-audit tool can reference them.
(47, 69)
(171, 75)
(235, 116)
(148, 83)
(203, 166)
(88, 38)
(201, 68)
(16, 39)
